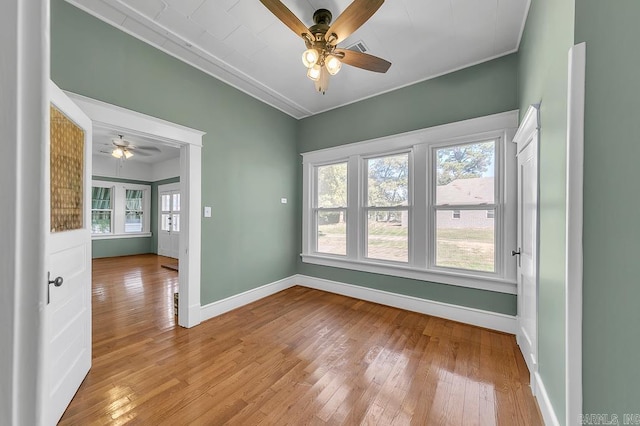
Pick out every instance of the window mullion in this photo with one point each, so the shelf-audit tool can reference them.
(419, 220)
(354, 227)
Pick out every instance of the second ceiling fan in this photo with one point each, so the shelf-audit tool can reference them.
(322, 57)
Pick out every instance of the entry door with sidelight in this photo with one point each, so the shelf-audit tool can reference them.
(169, 220)
(67, 327)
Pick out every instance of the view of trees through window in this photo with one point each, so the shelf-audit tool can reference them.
(331, 212)
(388, 208)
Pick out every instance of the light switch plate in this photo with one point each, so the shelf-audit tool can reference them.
(207, 211)
(283, 200)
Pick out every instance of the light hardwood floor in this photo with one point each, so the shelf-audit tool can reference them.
(299, 357)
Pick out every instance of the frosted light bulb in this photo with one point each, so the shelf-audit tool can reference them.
(310, 57)
(333, 65)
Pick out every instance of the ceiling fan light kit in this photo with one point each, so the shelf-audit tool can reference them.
(120, 149)
(322, 56)
(120, 152)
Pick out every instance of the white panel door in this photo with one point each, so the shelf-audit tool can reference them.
(169, 220)
(527, 252)
(67, 329)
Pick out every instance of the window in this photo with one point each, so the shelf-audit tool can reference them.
(101, 212)
(133, 210)
(330, 210)
(387, 208)
(170, 215)
(120, 210)
(465, 179)
(430, 205)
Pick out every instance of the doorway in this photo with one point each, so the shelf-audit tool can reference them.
(189, 141)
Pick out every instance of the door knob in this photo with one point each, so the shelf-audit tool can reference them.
(513, 252)
(57, 281)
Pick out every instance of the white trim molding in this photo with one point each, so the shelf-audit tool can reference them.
(546, 408)
(574, 229)
(527, 139)
(24, 80)
(236, 301)
(478, 317)
(189, 141)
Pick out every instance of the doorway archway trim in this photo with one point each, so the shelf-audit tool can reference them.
(190, 143)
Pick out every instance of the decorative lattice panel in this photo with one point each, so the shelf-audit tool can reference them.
(67, 173)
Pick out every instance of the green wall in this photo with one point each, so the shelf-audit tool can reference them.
(249, 156)
(542, 77)
(122, 246)
(484, 89)
(611, 367)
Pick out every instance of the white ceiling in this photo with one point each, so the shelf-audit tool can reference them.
(102, 145)
(243, 44)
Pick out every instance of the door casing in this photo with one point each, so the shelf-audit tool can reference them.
(189, 141)
(526, 139)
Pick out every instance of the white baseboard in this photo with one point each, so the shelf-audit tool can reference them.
(236, 301)
(478, 317)
(548, 414)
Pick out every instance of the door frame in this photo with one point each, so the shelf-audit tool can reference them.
(528, 133)
(574, 230)
(162, 188)
(190, 143)
(24, 80)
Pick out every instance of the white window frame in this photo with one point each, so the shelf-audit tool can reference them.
(315, 209)
(365, 208)
(118, 208)
(420, 144)
(498, 205)
(110, 187)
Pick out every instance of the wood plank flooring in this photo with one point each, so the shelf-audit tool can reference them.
(299, 357)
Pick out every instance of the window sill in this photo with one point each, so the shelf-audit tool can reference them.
(120, 236)
(443, 277)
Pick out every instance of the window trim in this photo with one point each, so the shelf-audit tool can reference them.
(118, 209)
(499, 127)
(110, 210)
(364, 208)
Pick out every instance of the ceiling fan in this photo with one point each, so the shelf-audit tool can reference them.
(322, 57)
(124, 149)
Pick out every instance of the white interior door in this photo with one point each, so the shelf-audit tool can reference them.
(527, 252)
(169, 220)
(67, 330)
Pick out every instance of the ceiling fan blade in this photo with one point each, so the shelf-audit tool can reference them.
(356, 14)
(144, 148)
(286, 16)
(363, 60)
